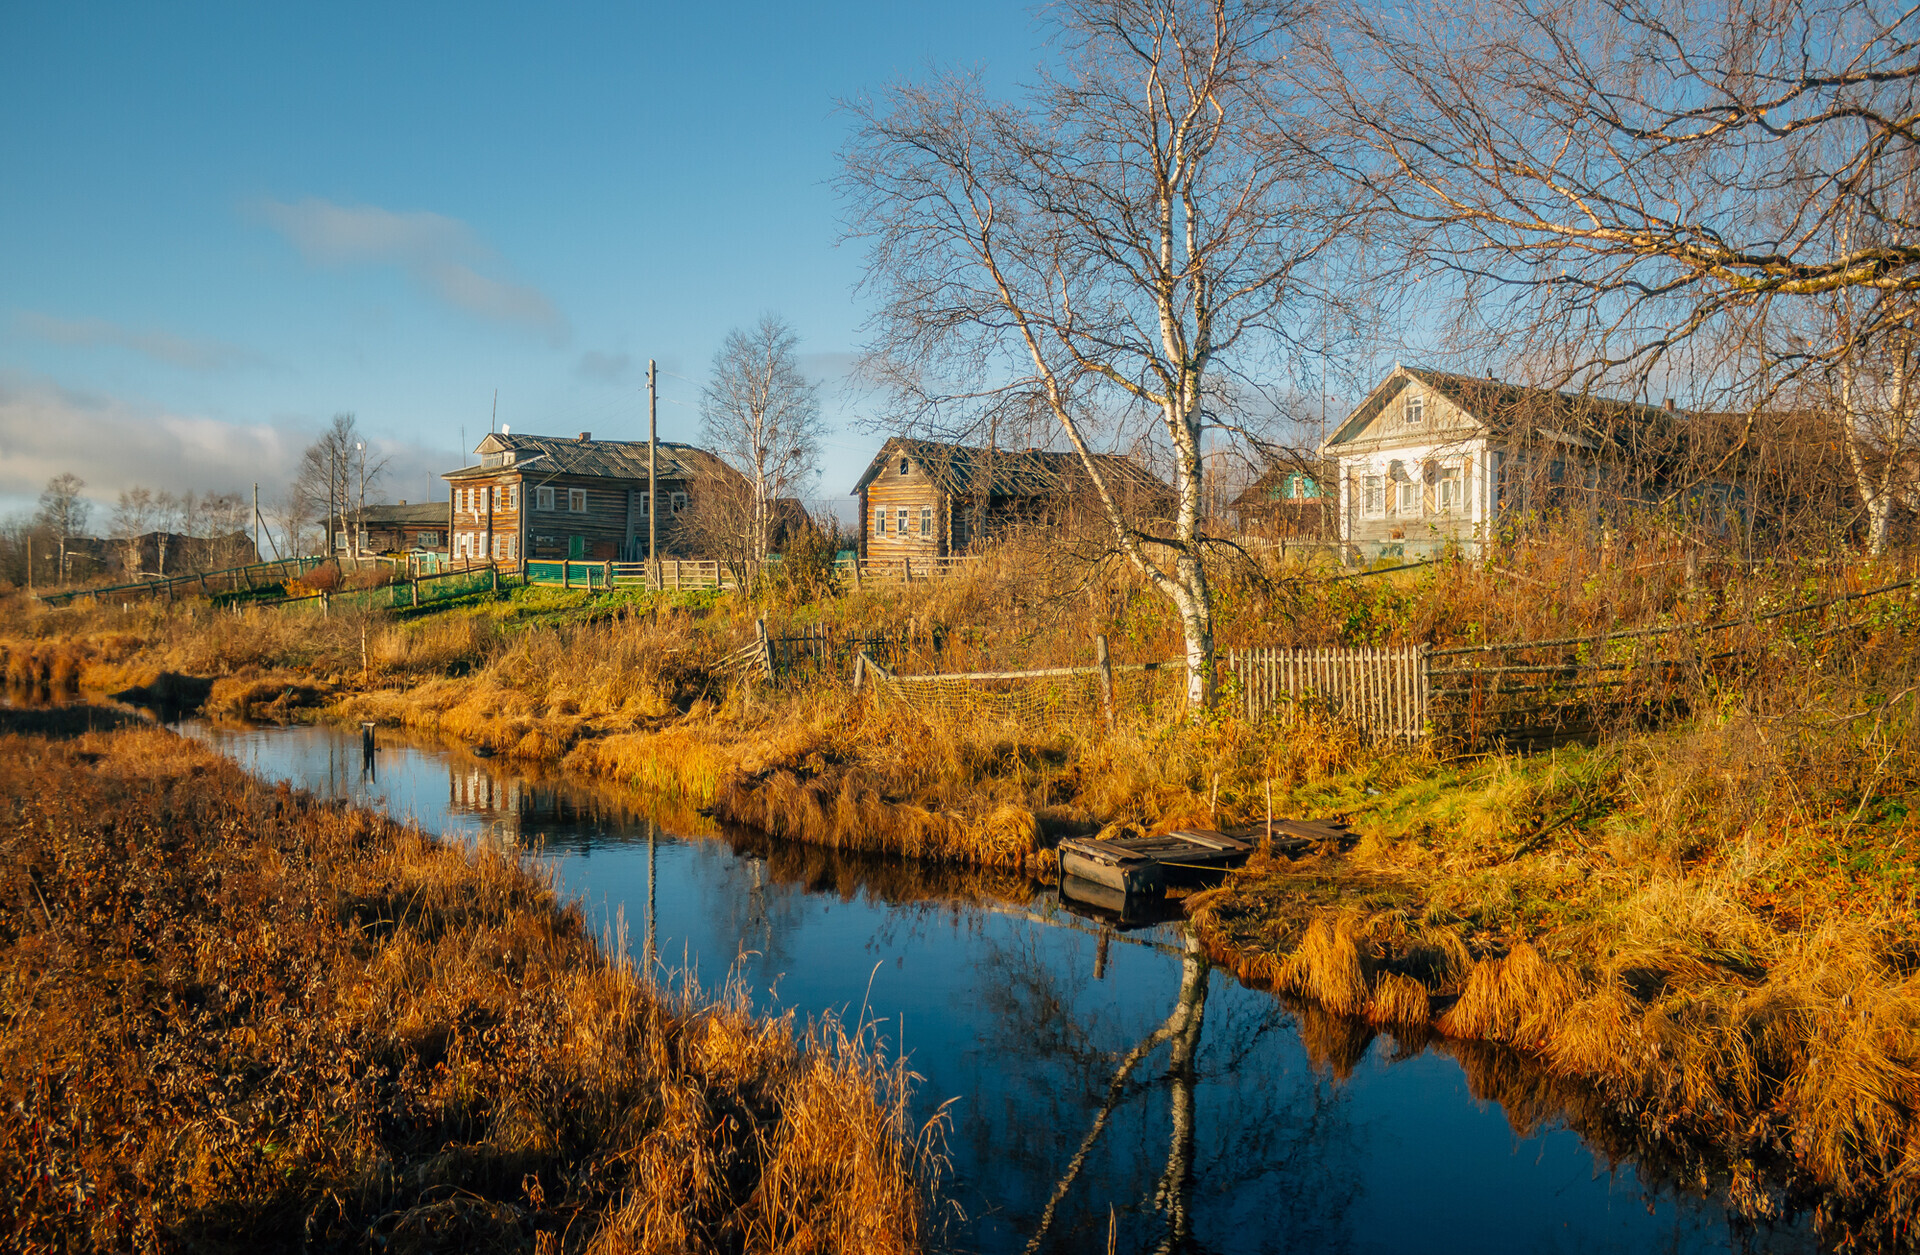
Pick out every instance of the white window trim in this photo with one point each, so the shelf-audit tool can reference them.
(1409, 490)
(543, 499)
(1442, 502)
(1370, 507)
(677, 502)
(1413, 411)
(573, 495)
(926, 521)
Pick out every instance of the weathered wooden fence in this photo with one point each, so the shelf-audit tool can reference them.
(201, 583)
(812, 652)
(676, 574)
(1381, 691)
(901, 570)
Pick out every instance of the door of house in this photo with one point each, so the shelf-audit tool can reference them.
(576, 547)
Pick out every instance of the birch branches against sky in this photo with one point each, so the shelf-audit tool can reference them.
(1125, 237)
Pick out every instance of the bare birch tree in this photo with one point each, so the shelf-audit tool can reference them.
(328, 470)
(63, 511)
(762, 415)
(1115, 240)
(1609, 183)
(133, 516)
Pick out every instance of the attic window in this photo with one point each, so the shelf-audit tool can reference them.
(1415, 412)
(903, 466)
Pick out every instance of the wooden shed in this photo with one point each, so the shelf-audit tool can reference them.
(925, 499)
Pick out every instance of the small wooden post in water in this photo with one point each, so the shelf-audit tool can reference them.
(366, 747)
(1105, 664)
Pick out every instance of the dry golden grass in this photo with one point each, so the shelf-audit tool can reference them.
(243, 1019)
(1715, 921)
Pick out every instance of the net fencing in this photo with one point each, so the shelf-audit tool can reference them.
(1038, 703)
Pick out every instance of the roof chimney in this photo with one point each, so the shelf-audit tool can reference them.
(585, 436)
(1669, 404)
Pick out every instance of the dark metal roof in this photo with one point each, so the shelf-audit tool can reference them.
(422, 513)
(534, 456)
(964, 470)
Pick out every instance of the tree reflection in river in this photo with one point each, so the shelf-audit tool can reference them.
(1266, 1149)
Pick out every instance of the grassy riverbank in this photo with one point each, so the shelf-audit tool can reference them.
(241, 1019)
(1707, 909)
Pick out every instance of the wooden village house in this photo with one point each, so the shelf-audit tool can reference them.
(553, 497)
(1431, 460)
(416, 527)
(920, 499)
(1291, 499)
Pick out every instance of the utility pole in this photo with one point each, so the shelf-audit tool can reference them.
(653, 482)
(256, 521)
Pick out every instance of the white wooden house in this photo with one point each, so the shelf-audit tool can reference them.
(1431, 460)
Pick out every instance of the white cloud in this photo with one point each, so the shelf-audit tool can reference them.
(162, 346)
(442, 255)
(114, 444)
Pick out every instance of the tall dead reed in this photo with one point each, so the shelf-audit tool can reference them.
(246, 1019)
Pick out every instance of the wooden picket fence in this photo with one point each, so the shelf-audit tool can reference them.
(1381, 691)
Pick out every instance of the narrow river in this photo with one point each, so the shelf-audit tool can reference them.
(1257, 1127)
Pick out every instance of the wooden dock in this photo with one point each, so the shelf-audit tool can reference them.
(1142, 866)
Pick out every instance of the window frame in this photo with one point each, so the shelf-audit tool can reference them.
(1413, 410)
(1373, 496)
(676, 502)
(576, 495)
(880, 521)
(1449, 488)
(543, 498)
(901, 519)
(926, 522)
(1408, 490)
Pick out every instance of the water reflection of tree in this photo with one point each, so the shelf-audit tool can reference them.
(1243, 1137)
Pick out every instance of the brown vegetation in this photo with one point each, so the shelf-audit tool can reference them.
(1706, 908)
(241, 1018)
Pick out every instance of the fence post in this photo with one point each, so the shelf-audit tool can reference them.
(1106, 677)
(766, 646)
(566, 573)
(606, 575)
(1426, 664)
(493, 577)
(416, 592)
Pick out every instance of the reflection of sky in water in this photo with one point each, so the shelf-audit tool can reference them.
(1000, 1011)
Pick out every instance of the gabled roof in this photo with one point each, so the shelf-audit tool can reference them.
(964, 470)
(1258, 493)
(1507, 409)
(611, 459)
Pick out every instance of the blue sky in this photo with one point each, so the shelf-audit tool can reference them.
(223, 224)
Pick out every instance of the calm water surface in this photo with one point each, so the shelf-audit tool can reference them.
(1257, 1128)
